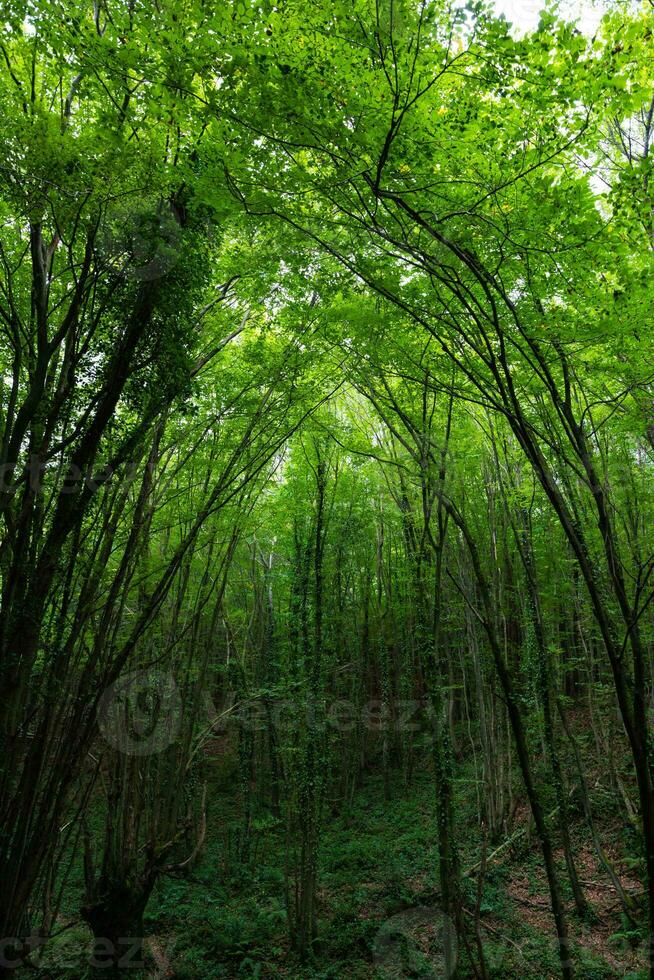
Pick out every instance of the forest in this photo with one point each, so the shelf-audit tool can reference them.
(326, 490)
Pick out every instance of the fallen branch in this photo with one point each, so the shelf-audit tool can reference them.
(507, 843)
(496, 932)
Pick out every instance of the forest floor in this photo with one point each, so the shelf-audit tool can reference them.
(378, 900)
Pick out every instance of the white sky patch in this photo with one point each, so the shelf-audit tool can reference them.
(525, 14)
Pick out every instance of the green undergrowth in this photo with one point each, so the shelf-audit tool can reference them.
(378, 901)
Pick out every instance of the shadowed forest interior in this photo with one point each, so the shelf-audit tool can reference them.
(326, 490)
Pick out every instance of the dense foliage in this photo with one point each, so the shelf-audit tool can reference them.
(327, 444)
